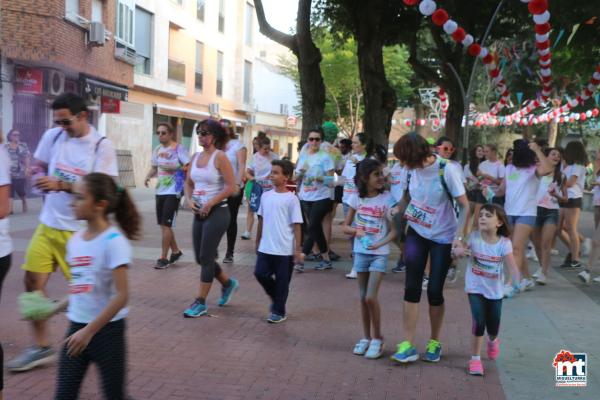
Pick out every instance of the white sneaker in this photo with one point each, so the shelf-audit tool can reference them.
(537, 273)
(246, 235)
(554, 252)
(361, 347)
(586, 247)
(352, 274)
(510, 291)
(531, 255)
(541, 279)
(425, 283)
(452, 275)
(375, 349)
(526, 284)
(584, 276)
(596, 279)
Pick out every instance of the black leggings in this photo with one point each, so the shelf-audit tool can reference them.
(315, 212)
(233, 203)
(486, 314)
(416, 251)
(207, 234)
(107, 351)
(4, 267)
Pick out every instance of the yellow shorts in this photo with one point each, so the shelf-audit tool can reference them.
(47, 249)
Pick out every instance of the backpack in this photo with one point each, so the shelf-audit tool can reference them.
(95, 147)
(443, 163)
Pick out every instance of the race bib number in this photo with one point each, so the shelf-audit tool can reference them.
(82, 275)
(265, 184)
(420, 214)
(198, 197)
(68, 174)
(309, 185)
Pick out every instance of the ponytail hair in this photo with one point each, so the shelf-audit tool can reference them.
(104, 187)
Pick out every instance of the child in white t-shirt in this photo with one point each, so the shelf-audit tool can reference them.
(367, 220)
(278, 239)
(489, 249)
(98, 256)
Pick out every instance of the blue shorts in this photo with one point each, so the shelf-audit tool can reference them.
(521, 219)
(370, 262)
(546, 216)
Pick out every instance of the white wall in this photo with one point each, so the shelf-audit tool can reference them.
(271, 89)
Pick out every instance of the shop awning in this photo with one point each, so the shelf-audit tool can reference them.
(174, 111)
(97, 89)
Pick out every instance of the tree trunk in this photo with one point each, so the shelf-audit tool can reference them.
(552, 133)
(454, 116)
(419, 114)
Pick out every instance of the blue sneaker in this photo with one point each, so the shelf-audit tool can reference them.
(276, 318)
(195, 310)
(406, 353)
(433, 351)
(227, 292)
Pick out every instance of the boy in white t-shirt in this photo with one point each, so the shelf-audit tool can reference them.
(278, 239)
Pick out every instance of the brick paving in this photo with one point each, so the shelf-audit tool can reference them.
(234, 354)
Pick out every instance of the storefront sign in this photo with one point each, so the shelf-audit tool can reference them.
(110, 105)
(28, 80)
(94, 89)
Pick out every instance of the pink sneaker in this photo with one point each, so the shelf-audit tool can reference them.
(493, 348)
(475, 367)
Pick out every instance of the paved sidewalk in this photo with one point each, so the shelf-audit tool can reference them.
(235, 354)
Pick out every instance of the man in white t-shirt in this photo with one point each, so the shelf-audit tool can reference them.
(278, 239)
(169, 162)
(64, 155)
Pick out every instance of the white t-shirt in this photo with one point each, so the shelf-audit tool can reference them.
(575, 191)
(261, 167)
(485, 267)
(92, 263)
(430, 212)
(521, 191)
(348, 173)
(544, 198)
(169, 162)
(398, 176)
(495, 169)
(69, 159)
(279, 211)
(371, 218)
(317, 165)
(231, 150)
(596, 192)
(5, 242)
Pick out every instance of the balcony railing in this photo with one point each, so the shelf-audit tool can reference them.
(176, 71)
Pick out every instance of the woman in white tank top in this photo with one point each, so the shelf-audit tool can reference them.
(210, 182)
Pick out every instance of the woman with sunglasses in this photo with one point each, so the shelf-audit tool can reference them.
(208, 185)
(19, 165)
(314, 172)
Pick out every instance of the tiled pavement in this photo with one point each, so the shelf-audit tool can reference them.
(235, 354)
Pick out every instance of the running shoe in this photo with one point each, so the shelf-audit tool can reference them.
(333, 256)
(246, 235)
(567, 262)
(554, 252)
(510, 291)
(227, 292)
(596, 279)
(228, 259)
(541, 279)
(585, 276)
(433, 351)
(352, 274)
(399, 268)
(425, 282)
(586, 247)
(195, 310)
(405, 353)
(161, 263)
(31, 357)
(532, 255)
(323, 265)
(276, 318)
(475, 367)
(526, 284)
(375, 349)
(537, 273)
(175, 257)
(299, 267)
(493, 348)
(313, 257)
(361, 347)
(452, 274)
(576, 264)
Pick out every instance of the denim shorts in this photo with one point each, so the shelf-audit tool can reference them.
(546, 216)
(522, 219)
(573, 203)
(370, 262)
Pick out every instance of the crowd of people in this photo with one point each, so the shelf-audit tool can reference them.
(435, 210)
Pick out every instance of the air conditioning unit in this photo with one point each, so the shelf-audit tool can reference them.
(56, 82)
(213, 108)
(96, 34)
(125, 53)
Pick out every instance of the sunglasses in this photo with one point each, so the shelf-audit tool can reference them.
(314, 139)
(64, 122)
(446, 148)
(162, 133)
(202, 132)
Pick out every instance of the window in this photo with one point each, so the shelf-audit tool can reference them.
(220, 57)
(97, 10)
(199, 66)
(71, 8)
(283, 109)
(176, 68)
(247, 81)
(249, 24)
(200, 9)
(125, 22)
(143, 41)
(222, 16)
